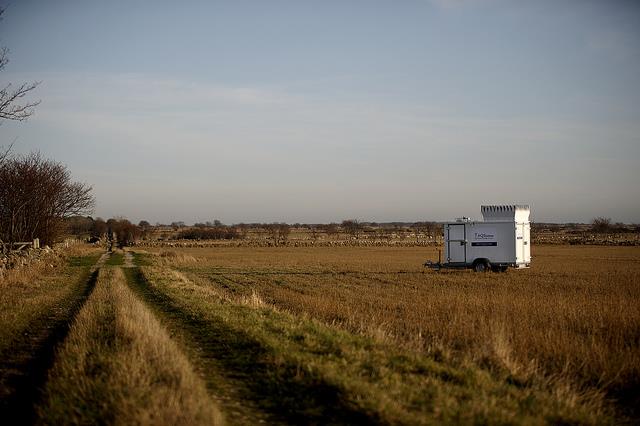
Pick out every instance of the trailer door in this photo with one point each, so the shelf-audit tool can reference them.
(527, 243)
(520, 243)
(456, 243)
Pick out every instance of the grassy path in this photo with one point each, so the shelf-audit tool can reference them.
(120, 366)
(26, 359)
(235, 366)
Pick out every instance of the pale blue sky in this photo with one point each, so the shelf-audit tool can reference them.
(317, 111)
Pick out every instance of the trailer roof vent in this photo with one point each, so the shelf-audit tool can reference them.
(463, 219)
(506, 213)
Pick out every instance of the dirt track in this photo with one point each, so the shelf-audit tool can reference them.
(26, 361)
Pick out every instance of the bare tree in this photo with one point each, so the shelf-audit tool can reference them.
(10, 106)
(601, 224)
(331, 229)
(35, 197)
(4, 153)
(79, 226)
(10, 96)
(284, 230)
(99, 228)
(352, 227)
(125, 232)
(243, 230)
(430, 229)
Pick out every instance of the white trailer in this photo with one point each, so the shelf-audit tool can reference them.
(500, 241)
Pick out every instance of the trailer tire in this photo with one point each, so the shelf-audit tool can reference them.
(481, 265)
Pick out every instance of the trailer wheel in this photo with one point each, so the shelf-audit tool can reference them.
(481, 266)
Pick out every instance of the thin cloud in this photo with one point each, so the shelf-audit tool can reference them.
(241, 144)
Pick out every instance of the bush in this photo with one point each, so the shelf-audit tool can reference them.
(215, 233)
(601, 225)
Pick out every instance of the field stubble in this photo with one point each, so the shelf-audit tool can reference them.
(572, 320)
(298, 370)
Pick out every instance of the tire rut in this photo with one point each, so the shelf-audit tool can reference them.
(225, 391)
(24, 368)
(238, 374)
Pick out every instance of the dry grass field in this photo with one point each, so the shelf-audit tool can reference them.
(572, 321)
(324, 335)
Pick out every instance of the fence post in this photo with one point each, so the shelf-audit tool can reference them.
(36, 243)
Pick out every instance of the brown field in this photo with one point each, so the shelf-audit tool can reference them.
(573, 319)
(320, 335)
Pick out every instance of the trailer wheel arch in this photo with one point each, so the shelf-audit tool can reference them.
(481, 265)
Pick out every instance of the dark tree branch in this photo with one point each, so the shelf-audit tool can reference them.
(10, 109)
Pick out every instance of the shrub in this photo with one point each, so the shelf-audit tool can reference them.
(215, 233)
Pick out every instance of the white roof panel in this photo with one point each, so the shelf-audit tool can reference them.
(506, 213)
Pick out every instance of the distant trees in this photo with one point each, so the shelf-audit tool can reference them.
(209, 233)
(284, 230)
(279, 232)
(208, 224)
(35, 196)
(272, 229)
(352, 227)
(243, 230)
(99, 228)
(79, 225)
(123, 231)
(331, 229)
(601, 224)
(119, 229)
(430, 229)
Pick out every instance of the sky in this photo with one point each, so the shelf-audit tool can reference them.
(319, 111)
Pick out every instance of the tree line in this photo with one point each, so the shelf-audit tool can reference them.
(126, 233)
